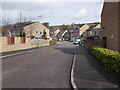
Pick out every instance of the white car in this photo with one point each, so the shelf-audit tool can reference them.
(76, 41)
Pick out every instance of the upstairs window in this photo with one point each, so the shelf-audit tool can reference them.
(40, 33)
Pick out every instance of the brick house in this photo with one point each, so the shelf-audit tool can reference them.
(110, 23)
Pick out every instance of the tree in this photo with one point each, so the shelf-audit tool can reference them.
(22, 34)
(44, 36)
(6, 21)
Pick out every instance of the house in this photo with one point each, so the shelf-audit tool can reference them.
(82, 30)
(56, 32)
(31, 29)
(88, 32)
(96, 31)
(60, 35)
(53, 33)
(75, 32)
(37, 30)
(1, 31)
(110, 23)
(5, 30)
(67, 36)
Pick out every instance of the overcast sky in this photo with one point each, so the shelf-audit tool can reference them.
(56, 12)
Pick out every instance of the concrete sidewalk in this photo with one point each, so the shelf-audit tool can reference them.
(18, 52)
(90, 74)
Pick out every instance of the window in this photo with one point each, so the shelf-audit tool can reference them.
(40, 33)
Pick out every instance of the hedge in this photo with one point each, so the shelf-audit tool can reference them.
(109, 58)
(53, 42)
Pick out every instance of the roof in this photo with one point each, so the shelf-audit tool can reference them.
(92, 24)
(17, 26)
(91, 27)
(22, 24)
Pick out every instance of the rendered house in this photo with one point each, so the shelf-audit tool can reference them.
(88, 32)
(35, 29)
(60, 35)
(96, 31)
(75, 32)
(53, 33)
(56, 32)
(83, 29)
(110, 23)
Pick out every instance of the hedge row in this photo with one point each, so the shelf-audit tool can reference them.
(53, 42)
(110, 59)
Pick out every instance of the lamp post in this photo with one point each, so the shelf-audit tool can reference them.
(39, 17)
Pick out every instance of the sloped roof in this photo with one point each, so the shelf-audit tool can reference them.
(98, 26)
(91, 27)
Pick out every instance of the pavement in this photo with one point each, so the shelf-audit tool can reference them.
(89, 74)
(18, 52)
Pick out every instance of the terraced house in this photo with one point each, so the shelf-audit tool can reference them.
(110, 23)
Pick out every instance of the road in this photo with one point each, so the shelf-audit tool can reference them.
(43, 68)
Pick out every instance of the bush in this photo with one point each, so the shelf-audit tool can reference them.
(53, 42)
(32, 37)
(109, 58)
(21, 34)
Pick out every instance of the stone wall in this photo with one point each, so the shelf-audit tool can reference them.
(4, 47)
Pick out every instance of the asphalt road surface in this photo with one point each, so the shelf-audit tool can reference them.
(43, 68)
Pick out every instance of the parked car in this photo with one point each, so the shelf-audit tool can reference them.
(76, 41)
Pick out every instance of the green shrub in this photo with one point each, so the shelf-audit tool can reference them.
(109, 58)
(32, 37)
(53, 42)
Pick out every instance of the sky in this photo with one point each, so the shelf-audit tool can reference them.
(56, 12)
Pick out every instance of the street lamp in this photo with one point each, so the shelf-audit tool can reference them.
(39, 17)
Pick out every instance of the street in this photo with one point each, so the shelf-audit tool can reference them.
(43, 68)
(50, 67)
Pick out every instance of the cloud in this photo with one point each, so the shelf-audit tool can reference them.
(55, 12)
(81, 14)
(53, 0)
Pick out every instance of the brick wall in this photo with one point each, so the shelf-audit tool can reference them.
(93, 41)
(119, 27)
(109, 21)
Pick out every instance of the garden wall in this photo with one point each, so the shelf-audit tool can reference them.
(8, 44)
